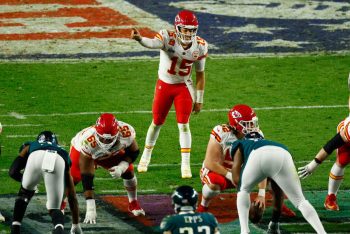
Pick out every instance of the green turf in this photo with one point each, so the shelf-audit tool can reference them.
(123, 86)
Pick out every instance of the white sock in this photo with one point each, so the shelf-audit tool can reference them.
(130, 186)
(309, 213)
(243, 203)
(336, 176)
(151, 139)
(207, 195)
(185, 142)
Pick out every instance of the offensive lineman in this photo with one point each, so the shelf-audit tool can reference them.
(110, 144)
(179, 50)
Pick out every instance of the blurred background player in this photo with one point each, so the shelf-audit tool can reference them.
(255, 159)
(185, 219)
(110, 144)
(179, 50)
(216, 173)
(44, 158)
(340, 141)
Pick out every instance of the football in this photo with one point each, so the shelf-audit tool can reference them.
(255, 213)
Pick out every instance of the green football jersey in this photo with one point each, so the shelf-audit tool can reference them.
(248, 145)
(34, 146)
(189, 223)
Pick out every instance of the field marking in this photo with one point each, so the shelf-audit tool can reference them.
(21, 125)
(123, 191)
(24, 116)
(178, 165)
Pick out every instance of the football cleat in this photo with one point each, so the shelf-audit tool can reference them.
(202, 209)
(135, 208)
(331, 202)
(2, 218)
(273, 228)
(287, 212)
(186, 171)
(143, 164)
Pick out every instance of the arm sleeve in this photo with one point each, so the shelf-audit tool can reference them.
(200, 65)
(154, 43)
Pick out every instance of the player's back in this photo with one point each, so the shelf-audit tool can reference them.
(190, 223)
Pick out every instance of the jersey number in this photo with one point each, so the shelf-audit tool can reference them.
(200, 229)
(185, 67)
(92, 141)
(125, 131)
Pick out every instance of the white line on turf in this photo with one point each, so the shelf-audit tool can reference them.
(23, 116)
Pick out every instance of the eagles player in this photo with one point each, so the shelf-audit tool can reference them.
(255, 159)
(216, 173)
(185, 219)
(179, 50)
(44, 158)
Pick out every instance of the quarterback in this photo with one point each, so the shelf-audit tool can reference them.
(179, 50)
(110, 144)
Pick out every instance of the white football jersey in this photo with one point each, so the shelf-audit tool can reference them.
(85, 142)
(345, 126)
(175, 65)
(225, 137)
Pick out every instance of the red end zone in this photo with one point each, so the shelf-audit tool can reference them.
(157, 206)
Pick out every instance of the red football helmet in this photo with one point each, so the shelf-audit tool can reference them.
(187, 20)
(243, 119)
(107, 129)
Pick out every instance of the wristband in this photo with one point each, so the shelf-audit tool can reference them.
(317, 161)
(123, 165)
(200, 96)
(261, 192)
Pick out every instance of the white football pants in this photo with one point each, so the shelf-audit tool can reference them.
(276, 163)
(52, 170)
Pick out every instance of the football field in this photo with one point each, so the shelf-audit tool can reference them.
(64, 82)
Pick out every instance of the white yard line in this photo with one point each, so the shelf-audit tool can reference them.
(24, 116)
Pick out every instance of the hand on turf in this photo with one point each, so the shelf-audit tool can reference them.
(307, 170)
(76, 229)
(90, 216)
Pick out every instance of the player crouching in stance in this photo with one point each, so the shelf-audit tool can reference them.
(179, 50)
(340, 141)
(110, 144)
(44, 158)
(216, 173)
(255, 159)
(185, 219)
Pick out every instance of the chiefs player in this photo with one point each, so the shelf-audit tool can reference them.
(110, 144)
(216, 173)
(179, 50)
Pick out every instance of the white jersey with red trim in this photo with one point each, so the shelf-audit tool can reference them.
(175, 64)
(223, 135)
(85, 142)
(345, 126)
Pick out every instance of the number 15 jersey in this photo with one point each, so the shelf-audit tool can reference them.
(176, 63)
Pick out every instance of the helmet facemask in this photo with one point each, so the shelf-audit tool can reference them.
(249, 126)
(105, 141)
(186, 33)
